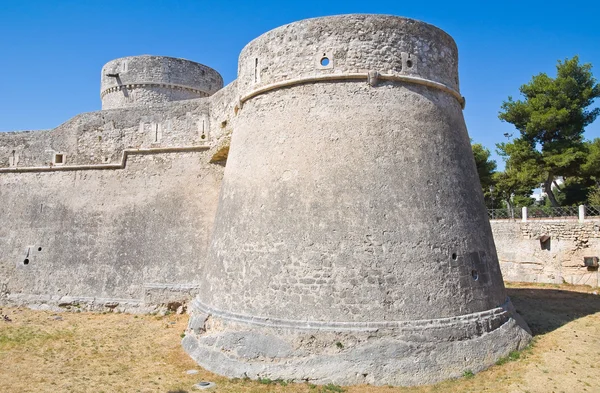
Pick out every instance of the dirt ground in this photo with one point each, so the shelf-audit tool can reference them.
(90, 352)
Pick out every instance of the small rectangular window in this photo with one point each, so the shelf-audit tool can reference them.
(59, 159)
(545, 242)
(13, 159)
(256, 71)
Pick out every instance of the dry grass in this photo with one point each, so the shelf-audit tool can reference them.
(86, 352)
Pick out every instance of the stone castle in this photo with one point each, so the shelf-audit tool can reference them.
(303, 207)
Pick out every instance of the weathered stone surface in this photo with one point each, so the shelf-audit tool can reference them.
(523, 258)
(340, 250)
(410, 355)
(146, 80)
(124, 222)
(335, 223)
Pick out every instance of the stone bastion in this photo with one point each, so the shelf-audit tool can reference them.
(341, 252)
(143, 80)
(300, 210)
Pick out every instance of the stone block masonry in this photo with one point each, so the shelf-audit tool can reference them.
(112, 208)
(321, 239)
(280, 203)
(548, 251)
(146, 80)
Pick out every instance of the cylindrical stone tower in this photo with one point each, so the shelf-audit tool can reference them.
(144, 80)
(351, 244)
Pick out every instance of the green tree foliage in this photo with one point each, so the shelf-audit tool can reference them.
(591, 167)
(521, 174)
(522, 163)
(513, 188)
(575, 191)
(510, 188)
(591, 170)
(523, 200)
(485, 166)
(594, 197)
(551, 120)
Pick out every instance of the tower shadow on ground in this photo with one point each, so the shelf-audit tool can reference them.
(546, 310)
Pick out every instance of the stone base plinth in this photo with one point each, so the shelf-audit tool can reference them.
(347, 353)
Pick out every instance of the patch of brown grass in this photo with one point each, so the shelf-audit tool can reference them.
(89, 352)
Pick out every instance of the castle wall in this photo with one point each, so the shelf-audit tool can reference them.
(123, 221)
(100, 137)
(146, 94)
(224, 110)
(147, 80)
(524, 258)
(324, 150)
(286, 163)
(388, 46)
(335, 224)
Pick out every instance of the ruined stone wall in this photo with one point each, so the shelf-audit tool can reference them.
(524, 257)
(123, 220)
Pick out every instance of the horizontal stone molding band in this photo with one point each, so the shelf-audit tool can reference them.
(154, 285)
(121, 165)
(153, 84)
(486, 320)
(355, 76)
(31, 298)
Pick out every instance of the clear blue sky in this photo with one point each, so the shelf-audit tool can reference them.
(51, 52)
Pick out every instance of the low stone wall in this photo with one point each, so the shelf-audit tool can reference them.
(547, 251)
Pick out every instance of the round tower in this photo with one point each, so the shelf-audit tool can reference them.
(351, 243)
(144, 80)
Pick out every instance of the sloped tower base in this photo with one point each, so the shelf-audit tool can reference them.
(394, 353)
(351, 242)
